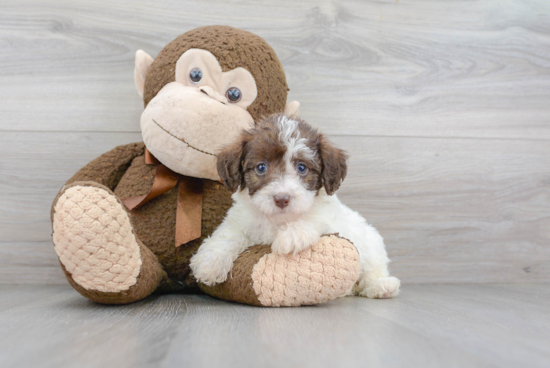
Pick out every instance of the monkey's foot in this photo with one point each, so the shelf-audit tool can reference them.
(102, 257)
(326, 271)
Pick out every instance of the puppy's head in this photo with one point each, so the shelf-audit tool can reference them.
(283, 162)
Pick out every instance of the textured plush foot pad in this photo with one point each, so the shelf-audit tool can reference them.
(93, 238)
(324, 272)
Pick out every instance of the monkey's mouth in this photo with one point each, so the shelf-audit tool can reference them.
(183, 140)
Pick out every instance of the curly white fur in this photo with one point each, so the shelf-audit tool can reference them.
(309, 214)
(245, 225)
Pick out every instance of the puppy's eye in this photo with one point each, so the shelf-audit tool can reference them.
(261, 168)
(233, 94)
(302, 169)
(195, 75)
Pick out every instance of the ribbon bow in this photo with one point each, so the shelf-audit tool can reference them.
(189, 207)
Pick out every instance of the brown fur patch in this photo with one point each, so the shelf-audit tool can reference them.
(335, 166)
(233, 48)
(263, 144)
(263, 147)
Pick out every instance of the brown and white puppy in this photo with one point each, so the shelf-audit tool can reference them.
(283, 163)
(284, 174)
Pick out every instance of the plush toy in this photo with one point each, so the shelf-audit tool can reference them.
(127, 224)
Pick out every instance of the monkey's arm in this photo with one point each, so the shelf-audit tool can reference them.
(326, 271)
(108, 168)
(213, 261)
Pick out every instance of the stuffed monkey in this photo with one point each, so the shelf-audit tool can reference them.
(127, 224)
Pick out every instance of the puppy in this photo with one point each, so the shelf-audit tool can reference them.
(284, 173)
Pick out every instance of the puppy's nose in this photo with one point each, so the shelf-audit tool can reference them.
(281, 200)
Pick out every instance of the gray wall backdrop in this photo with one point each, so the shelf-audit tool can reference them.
(443, 105)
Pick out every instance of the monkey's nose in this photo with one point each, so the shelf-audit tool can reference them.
(281, 200)
(212, 93)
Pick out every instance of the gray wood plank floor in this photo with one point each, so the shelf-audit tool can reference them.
(426, 326)
(444, 108)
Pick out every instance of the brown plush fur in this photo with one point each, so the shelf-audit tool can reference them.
(109, 168)
(155, 221)
(239, 287)
(150, 277)
(233, 48)
(123, 171)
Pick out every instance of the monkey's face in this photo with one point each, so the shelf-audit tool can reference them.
(190, 120)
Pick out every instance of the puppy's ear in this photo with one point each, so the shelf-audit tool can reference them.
(229, 164)
(335, 165)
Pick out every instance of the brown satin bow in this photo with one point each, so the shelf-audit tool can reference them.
(189, 207)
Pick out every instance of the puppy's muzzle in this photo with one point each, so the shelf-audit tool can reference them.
(281, 200)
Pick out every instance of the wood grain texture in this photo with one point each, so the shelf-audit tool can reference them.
(443, 106)
(426, 326)
(450, 210)
(35, 167)
(399, 68)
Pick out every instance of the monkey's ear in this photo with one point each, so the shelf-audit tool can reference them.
(229, 165)
(292, 108)
(143, 62)
(335, 165)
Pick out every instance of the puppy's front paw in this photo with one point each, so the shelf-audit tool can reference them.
(294, 239)
(211, 266)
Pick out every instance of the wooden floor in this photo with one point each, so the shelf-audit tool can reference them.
(426, 326)
(444, 108)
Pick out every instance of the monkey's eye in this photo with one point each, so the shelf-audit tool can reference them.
(233, 94)
(301, 169)
(195, 75)
(261, 169)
